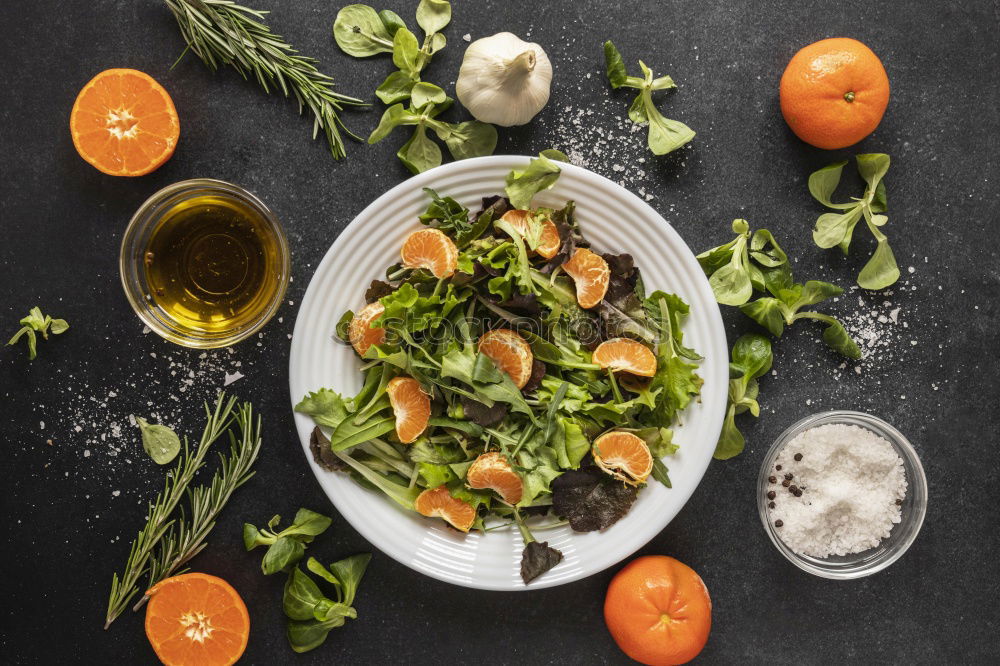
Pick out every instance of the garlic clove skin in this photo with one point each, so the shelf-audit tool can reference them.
(504, 80)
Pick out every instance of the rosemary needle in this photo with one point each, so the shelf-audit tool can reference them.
(158, 520)
(221, 31)
(186, 538)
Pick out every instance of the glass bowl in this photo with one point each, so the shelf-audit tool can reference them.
(134, 278)
(912, 511)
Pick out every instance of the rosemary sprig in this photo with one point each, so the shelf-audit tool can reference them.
(186, 538)
(221, 31)
(158, 521)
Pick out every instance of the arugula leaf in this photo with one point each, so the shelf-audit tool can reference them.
(540, 174)
(664, 135)
(751, 358)
(390, 21)
(34, 323)
(433, 15)
(728, 267)
(590, 499)
(537, 558)
(160, 442)
(837, 229)
(360, 32)
(325, 406)
(285, 548)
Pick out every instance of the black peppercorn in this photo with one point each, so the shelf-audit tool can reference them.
(798, 457)
(772, 479)
(771, 495)
(899, 502)
(789, 476)
(786, 483)
(777, 467)
(778, 523)
(795, 491)
(770, 505)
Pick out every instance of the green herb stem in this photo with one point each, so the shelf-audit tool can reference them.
(186, 538)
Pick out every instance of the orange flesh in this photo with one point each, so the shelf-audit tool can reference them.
(624, 456)
(430, 249)
(548, 245)
(196, 619)
(361, 332)
(411, 407)
(438, 503)
(626, 355)
(591, 275)
(124, 123)
(491, 470)
(509, 352)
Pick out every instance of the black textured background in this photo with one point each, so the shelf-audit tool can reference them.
(70, 507)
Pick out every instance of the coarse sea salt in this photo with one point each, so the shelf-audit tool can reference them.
(844, 493)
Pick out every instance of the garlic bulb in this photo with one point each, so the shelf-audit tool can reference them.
(504, 80)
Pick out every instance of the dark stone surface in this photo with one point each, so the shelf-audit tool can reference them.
(68, 516)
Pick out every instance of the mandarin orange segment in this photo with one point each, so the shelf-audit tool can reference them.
(430, 249)
(591, 275)
(124, 123)
(834, 92)
(548, 240)
(196, 620)
(625, 355)
(411, 407)
(438, 503)
(361, 333)
(624, 456)
(509, 352)
(492, 471)
(658, 611)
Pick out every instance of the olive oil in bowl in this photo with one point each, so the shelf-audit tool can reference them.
(204, 263)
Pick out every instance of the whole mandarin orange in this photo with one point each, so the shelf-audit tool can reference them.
(658, 611)
(834, 93)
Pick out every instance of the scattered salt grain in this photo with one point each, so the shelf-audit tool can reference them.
(845, 487)
(230, 378)
(467, 37)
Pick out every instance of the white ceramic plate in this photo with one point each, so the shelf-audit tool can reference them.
(614, 220)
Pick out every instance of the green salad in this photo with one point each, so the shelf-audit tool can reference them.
(511, 373)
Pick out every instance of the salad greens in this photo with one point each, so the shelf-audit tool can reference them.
(311, 615)
(756, 263)
(542, 430)
(160, 442)
(360, 31)
(837, 229)
(34, 323)
(751, 358)
(540, 174)
(285, 548)
(665, 135)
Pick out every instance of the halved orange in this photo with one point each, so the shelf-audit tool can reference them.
(196, 618)
(411, 407)
(491, 470)
(548, 242)
(591, 274)
(624, 456)
(361, 333)
(124, 123)
(626, 355)
(509, 352)
(438, 503)
(430, 249)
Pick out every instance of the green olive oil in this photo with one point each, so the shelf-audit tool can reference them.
(212, 264)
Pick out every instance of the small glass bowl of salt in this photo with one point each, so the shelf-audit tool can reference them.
(842, 494)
